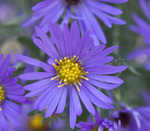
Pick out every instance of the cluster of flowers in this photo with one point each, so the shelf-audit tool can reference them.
(77, 70)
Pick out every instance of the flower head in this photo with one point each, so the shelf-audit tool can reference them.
(142, 27)
(85, 11)
(7, 12)
(34, 122)
(75, 68)
(136, 119)
(10, 94)
(146, 96)
(142, 54)
(98, 125)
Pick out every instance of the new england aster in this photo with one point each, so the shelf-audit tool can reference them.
(36, 121)
(85, 11)
(142, 54)
(10, 94)
(74, 68)
(28, 122)
(98, 125)
(133, 119)
(142, 27)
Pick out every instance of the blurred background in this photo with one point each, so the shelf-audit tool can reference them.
(15, 39)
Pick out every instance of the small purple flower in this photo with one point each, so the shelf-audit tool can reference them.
(146, 97)
(72, 70)
(30, 122)
(12, 46)
(142, 27)
(136, 119)
(11, 93)
(36, 121)
(7, 12)
(85, 11)
(142, 54)
(98, 125)
(58, 125)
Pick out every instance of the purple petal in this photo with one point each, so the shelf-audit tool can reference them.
(76, 101)
(52, 106)
(35, 75)
(86, 101)
(104, 85)
(62, 103)
(73, 116)
(34, 62)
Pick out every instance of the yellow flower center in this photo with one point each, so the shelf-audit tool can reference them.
(35, 123)
(105, 129)
(69, 72)
(2, 95)
(95, 129)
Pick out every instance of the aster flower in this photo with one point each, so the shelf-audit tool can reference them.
(30, 122)
(142, 54)
(58, 125)
(98, 125)
(7, 12)
(35, 121)
(72, 69)
(146, 97)
(136, 119)
(85, 11)
(12, 46)
(10, 94)
(142, 27)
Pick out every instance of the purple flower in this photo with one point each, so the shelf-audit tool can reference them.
(10, 94)
(98, 125)
(7, 12)
(12, 46)
(72, 70)
(146, 97)
(58, 125)
(136, 119)
(142, 54)
(32, 122)
(36, 121)
(85, 11)
(142, 27)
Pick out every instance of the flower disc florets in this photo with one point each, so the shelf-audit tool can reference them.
(95, 129)
(2, 94)
(69, 71)
(35, 122)
(105, 129)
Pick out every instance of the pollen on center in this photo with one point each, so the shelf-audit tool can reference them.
(95, 129)
(69, 72)
(36, 123)
(2, 95)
